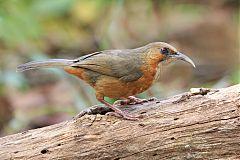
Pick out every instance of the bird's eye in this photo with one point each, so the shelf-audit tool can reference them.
(164, 51)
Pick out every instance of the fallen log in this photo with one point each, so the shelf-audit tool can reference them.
(201, 124)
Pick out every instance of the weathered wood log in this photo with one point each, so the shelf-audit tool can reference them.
(204, 124)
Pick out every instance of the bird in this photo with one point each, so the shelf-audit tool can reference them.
(117, 73)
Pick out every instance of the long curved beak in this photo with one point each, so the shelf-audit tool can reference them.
(182, 57)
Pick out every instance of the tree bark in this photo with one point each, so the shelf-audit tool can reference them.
(201, 124)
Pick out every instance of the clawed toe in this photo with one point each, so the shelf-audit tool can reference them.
(121, 102)
(134, 100)
(131, 100)
(97, 109)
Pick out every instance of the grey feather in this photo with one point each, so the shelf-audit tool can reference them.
(44, 64)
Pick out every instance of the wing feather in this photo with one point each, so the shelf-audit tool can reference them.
(114, 63)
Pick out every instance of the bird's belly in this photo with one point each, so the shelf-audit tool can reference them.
(111, 86)
(114, 88)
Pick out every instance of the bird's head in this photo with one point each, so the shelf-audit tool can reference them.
(164, 51)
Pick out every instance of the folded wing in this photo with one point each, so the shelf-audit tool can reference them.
(120, 64)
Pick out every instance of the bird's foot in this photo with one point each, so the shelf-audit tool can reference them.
(125, 116)
(131, 100)
(97, 109)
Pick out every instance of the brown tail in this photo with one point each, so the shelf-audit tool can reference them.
(44, 64)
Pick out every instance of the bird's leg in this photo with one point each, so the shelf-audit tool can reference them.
(130, 100)
(117, 112)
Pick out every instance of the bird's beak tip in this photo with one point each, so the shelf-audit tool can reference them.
(194, 66)
(185, 58)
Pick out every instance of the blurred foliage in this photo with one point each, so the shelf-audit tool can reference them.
(21, 20)
(40, 29)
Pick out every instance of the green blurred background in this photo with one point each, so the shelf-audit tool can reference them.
(207, 31)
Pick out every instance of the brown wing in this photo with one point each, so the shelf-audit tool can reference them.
(121, 64)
